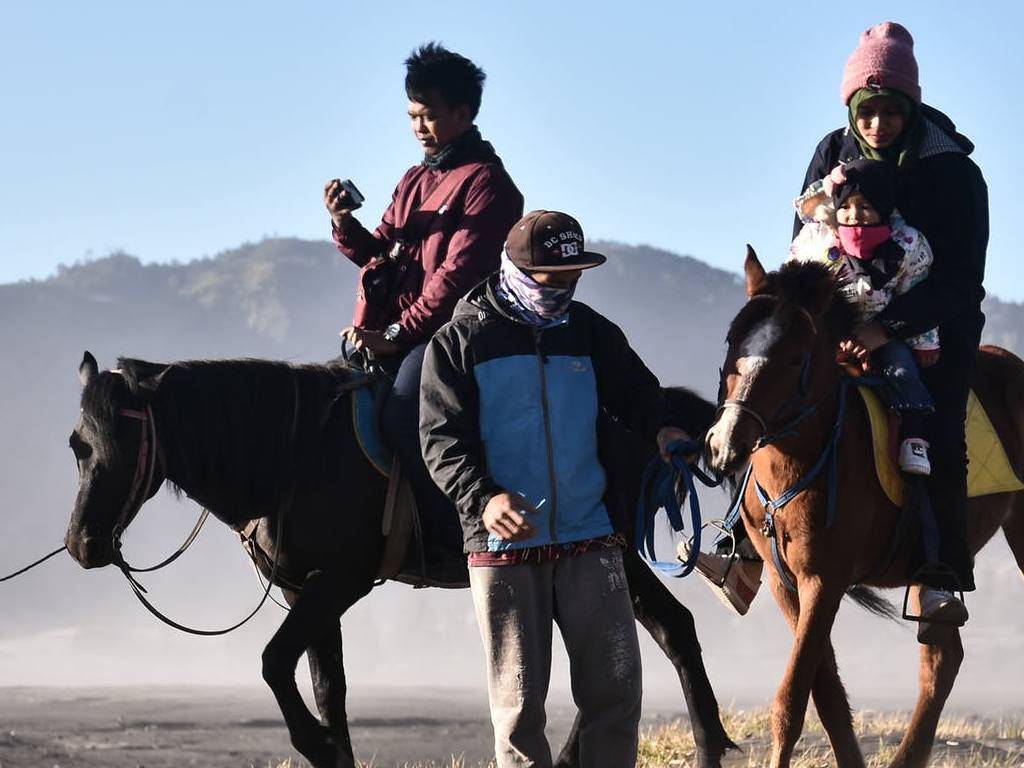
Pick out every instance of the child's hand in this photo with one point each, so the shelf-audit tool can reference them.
(853, 350)
(926, 358)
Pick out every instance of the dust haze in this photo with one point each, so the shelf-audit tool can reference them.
(287, 299)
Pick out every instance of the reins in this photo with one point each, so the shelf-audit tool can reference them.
(138, 589)
(145, 468)
(33, 565)
(127, 513)
(659, 489)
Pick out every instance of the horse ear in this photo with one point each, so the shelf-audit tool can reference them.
(87, 368)
(757, 279)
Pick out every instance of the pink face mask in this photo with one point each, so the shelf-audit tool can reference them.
(861, 241)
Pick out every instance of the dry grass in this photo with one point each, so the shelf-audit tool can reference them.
(454, 762)
(961, 742)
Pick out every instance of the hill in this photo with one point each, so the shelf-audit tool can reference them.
(286, 298)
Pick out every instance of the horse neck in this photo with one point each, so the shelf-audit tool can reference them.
(193, 461)
(178, 460)
(792, 455)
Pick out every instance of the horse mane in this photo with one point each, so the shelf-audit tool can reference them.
(238, 432)
(687, 409)
(813, 286)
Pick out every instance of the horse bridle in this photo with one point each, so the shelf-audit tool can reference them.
(741, 405)
(145, 469)
(150, 455)
(147, 458)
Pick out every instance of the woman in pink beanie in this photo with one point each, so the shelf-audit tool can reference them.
(941, 192)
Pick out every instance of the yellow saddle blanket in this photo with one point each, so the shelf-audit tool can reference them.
(988, 468)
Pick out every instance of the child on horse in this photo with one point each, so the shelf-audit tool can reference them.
(851, 225)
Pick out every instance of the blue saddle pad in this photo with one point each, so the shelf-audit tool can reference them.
(364, 420)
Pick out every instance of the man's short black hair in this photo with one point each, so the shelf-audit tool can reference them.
(458, 79)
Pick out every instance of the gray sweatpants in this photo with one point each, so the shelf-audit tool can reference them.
(588, 597)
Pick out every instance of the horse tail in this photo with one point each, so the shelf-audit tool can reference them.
(872, 601)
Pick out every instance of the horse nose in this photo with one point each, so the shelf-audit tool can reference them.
(90, 551)
(717, 448)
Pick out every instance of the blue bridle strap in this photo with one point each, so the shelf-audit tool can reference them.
(658, 491)
(828, 460)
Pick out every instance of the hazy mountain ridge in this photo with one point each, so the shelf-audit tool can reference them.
(287, 299)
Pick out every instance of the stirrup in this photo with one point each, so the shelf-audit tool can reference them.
(937, 569)
(733, 556)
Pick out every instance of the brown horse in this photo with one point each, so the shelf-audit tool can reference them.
(781, 360)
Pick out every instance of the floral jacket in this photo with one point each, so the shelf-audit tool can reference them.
(817, 241)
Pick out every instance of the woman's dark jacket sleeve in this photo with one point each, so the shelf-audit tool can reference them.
(826, 157)
(947, 200)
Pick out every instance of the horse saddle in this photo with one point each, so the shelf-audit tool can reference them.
(365, 410)
(988, 468)
(404, 558)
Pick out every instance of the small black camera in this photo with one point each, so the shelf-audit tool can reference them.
(350, 196)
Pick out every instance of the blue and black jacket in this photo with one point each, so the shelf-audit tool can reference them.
(505, 406)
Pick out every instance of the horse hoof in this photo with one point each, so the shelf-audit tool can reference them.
(323, 751)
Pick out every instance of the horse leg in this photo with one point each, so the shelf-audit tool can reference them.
(671, 625)
(817, 612)
(327, 671)
(939, 666)
(833, 706)
(569, 757)
(830, 699)
(317, 608)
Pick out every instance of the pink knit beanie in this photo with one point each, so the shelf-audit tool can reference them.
(884, 59)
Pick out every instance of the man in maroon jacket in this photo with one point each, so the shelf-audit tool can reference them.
(441, 235)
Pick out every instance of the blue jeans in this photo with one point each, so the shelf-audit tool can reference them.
(400, 425)
(903, 386)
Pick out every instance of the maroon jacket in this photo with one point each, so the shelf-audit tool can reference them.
(453, 239)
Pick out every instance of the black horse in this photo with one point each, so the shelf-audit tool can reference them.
(268, 441)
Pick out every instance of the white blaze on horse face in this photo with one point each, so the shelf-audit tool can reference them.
(753, 356)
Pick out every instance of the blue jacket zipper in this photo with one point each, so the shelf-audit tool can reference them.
(552, 516)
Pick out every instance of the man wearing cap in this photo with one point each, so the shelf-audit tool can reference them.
(511, 392)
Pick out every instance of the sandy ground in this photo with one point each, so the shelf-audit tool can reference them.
(241, 728)
(231, 728)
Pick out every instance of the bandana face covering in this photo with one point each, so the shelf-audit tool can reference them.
(535, 304)
(860, 242)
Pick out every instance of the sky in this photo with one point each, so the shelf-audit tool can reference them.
(176, 131)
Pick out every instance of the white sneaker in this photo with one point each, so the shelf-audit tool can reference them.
(914, 456)
(733, 579)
